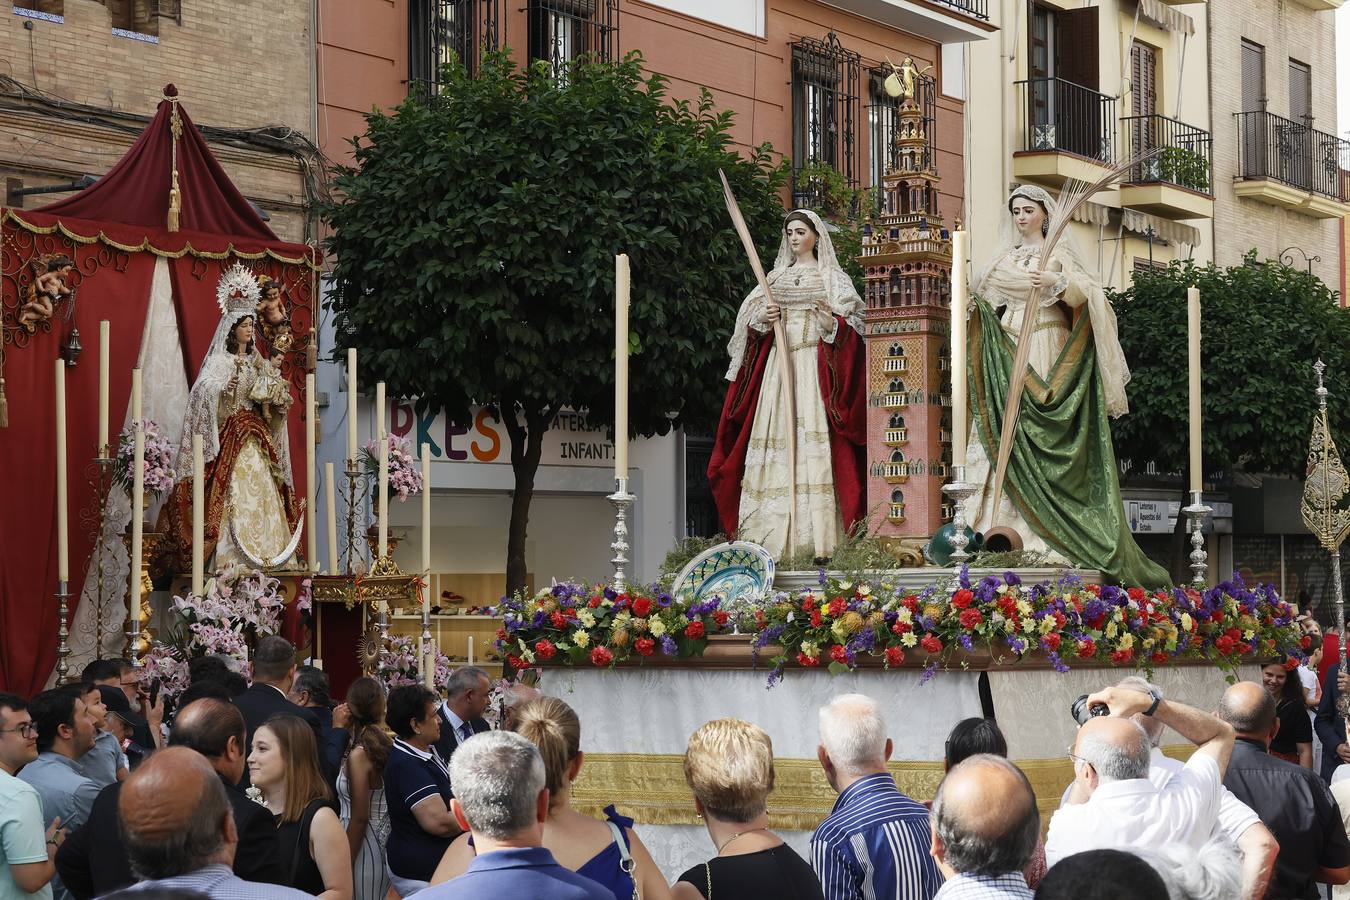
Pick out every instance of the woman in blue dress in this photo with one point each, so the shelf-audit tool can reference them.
(606, 851)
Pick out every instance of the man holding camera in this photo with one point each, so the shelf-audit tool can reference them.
(1113, 804)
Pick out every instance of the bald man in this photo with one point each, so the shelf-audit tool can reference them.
(985, 828)
(1291, 800)
(1114, 805)
(179, 831)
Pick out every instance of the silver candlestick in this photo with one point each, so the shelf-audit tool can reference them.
(960, 491)
(1196, 514)
(623, 501)
(63, 633)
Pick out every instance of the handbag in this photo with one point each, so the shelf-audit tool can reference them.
(626, 861)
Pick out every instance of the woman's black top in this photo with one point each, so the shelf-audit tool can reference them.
(293, 850)
(1295, 728)
(777, 872)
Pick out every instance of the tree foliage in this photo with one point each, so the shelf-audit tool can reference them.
(475, 241)
(1263, 325)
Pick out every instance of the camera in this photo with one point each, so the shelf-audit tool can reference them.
(1081, 712)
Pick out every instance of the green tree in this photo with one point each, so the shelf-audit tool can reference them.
(1263, 325)
(475, 240)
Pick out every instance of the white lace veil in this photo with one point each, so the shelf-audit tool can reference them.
(843, 297)
(1115, 373)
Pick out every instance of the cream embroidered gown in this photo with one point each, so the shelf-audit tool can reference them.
(764, 490)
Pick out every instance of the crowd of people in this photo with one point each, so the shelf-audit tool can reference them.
(270, 790)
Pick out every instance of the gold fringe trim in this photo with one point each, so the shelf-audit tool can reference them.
(776, 492)
(146, 246)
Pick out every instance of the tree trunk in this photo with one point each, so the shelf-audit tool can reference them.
(526, 448)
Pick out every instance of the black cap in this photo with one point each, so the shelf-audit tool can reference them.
(119, 705)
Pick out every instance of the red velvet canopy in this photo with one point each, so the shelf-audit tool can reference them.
(114, 231)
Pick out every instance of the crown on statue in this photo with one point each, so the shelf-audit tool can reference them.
(238, 291)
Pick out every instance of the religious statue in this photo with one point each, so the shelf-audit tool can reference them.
(49, 288)
(751, 481)
(238, 405)
(274, 319)
(1062, 493)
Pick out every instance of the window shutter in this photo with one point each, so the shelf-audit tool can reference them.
(1076, 46)
(1300, 92)
(1253, 77)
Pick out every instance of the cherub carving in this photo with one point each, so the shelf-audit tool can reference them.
(49, 288)
(275, 319)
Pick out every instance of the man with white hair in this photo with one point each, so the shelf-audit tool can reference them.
(501, 797)
(875, 842)
(1237, 822)
(1113, 804)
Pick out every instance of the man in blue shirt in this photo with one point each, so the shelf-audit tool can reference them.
(25, 853)
(500, 796)
(875, 842)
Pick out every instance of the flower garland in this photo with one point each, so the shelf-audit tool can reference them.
(405, 472)
(157, 459)
(576, 624)
(842, 623)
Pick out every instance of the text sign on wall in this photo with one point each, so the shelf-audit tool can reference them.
(570, 441)
(1160, 516)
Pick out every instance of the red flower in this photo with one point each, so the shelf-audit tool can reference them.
(544, 649)
(839, 654)
(515, 662)
(600, 656)
(721, 617)
(807, 661)
(501, 634)
(1290, 664)
(1224, 644)
(760, 621)
(693, 630)
(621, 601)
(1306, 642)
(1087, 648)
(642, 607)
(1008, 606)
(1122, 656)
(1234, 634)
(1059, 619)
(645, 645)
(594, 602)
(1135, 593)
(970, 618)
(931, 643)
(1217, 616)
(815, 618)
(1159, 656)
(558, 620)
(963, 598)
(838, 606)
(894, 656)
(808, 602)
(910, 602)
(901, 627)
(1050, 642)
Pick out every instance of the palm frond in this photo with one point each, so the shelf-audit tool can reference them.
(1076, 194)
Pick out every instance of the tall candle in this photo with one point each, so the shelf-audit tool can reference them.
(958, 348)
(198, 516)
(470, 649)
(137, 508)
(135, 395)
(351, 403)
(329, 497)
(62, 511)
(311, 489)
(426, 527)
(430, 667)
(621, 290)
(384, 495)
(104, 336)
(1193, 370)
(422, 658)
(379, 411)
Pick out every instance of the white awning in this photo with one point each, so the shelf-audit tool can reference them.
(1138, 223)
(1164, 16)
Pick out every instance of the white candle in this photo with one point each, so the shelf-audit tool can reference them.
(384, 495)
(379, 410)
(103, 343)
(351, 403)
(311, 489)
(1193, 367)
(62, 523)
(470, 649)
(432, 652)
(198, 516)
(621, 290)
(329, 495)
(137, 507)
(135, 396)
(422, 659)
(426, 528)
(958, 348)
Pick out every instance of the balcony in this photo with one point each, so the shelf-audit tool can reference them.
(1068, 132)
(1177, 181)
(897, 435)
(1320, 5)
(1292, 165)
(896, 514)
(894, 364)
(897, 400)
(897, 473)
(945, 435)
(943, 21)
(944, 363)
(945, 399)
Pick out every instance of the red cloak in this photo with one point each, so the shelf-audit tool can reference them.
(841, 367)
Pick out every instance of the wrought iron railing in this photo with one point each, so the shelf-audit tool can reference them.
(1059, 115)
(825, 77)
(1184, 154)
(978, 9)
(1271, 146)
(441, 29)
(560, 31)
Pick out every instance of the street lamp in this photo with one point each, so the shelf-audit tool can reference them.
(1287, 258)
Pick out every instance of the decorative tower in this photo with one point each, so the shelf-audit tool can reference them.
(907, 257)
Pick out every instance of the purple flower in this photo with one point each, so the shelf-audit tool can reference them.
(964, 576)
(1011, 579)
(821, 578)
(928, 672)
(667, 645)
(965, 642)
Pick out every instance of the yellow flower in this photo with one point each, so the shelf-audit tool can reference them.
(864, 590)
(1186, 622)
(587, 618)
(904, 615)
(851, 622)
(619, 638)
(581, 638)
(1047, 625)
(876, 620)
(1024, 607)
(1111, 629)
(810, 649)
(658, 627)
(1126, 641)
(908, 639)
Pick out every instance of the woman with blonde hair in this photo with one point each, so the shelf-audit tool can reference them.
(360, 786)
(313, 850)
(606, 852)
(729, 768)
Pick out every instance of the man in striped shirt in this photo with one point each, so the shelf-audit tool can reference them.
(986, 825)
(875, 843)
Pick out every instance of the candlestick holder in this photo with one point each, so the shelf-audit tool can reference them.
(960, 491)
(352, 551)
(623, 502)
(63, 632)
(94, 519)
(138, 631)
(1196, 514)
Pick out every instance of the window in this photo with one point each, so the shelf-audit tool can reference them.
(1064, 109)
(881, 114)
(138, 17)
(824, 114)
(53, 10)
(562, 30)
(896, 387)
(897, 496)
(897, 421)
(1300, 92)
(1253, 76)
(439, 30)
(1143, 80)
